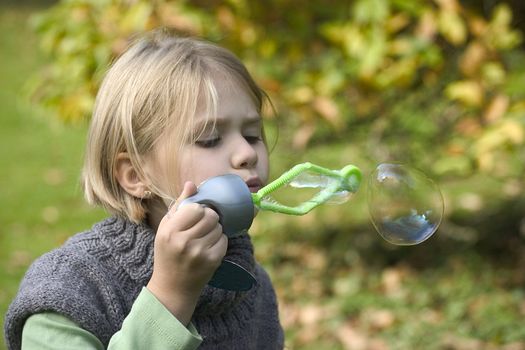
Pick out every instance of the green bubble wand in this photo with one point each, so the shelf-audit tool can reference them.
(231, 198)
(345, 180)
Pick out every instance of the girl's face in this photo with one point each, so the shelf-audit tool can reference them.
(232, 145)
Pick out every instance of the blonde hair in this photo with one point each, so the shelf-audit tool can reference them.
(151, 92)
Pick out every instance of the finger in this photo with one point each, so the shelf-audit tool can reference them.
(218, 250)
(212, 247)
(204, 225)
(210, 236)
(186, 217)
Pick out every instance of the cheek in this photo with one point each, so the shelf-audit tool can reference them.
(196, 167)
(188, 168)
(264, 165)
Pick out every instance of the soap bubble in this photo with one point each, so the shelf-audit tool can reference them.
(322, 182)
(406, 207)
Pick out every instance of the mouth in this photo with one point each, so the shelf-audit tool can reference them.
(254, 184)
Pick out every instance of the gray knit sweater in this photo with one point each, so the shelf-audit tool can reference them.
(95, 277)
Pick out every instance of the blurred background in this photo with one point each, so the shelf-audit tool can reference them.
(439, 85)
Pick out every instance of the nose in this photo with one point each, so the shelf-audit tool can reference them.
(243, 154)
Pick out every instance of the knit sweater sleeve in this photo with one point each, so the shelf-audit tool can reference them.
(148, 326)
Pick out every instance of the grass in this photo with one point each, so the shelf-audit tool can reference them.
(339, 285)
(40, 162)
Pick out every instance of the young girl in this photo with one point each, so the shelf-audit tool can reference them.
(170, 113)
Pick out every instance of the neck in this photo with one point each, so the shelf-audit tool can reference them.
(156, 211)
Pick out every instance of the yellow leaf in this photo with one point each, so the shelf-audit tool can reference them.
(328, 109)
(502, 36)
(397, 22)
(448, 5)
(399, 73)
(302, 94)
(352, 337)
(455, 149)
(370, 11)
(303, 135)
(452, 27)
(468, 126)
(427, 25)
(502, 16)
(136, 17)
(248, 34)
(270, 84)
(225, 17)
(514, 131)
(471, 201)
(311, 314)
(267, 48)
(472, 58)
(493, 73)
(485, 161)
(518, 107)
(80, 13)
(468, 92)
(392, 281)
(506, 132)
(331, 81)
(400, 46)
(176, 16)
(496, 108)
(478, 25)
(379, 319)
(373, 54)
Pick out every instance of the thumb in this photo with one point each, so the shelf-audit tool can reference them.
(188, 190)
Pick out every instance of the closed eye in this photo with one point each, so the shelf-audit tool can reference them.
(209, 143)
(253, 139)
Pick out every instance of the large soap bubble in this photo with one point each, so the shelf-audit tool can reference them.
(406, 207)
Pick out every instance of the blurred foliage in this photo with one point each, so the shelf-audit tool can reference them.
(437, 73)
(432, 83)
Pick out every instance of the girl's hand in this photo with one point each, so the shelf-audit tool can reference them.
(189, 246)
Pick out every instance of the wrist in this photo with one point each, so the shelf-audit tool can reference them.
(180, 303)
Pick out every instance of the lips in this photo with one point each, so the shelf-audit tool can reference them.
(254, 184)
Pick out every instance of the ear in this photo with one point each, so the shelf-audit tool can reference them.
(128, 177)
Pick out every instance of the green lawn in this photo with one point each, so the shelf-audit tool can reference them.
(39, 162)
(339, 285)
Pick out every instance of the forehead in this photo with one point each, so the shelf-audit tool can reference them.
(224, 99)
